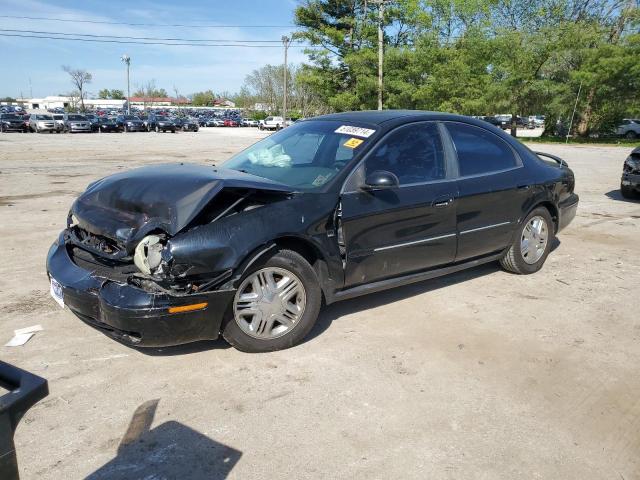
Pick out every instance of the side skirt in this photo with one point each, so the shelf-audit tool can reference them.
(412, 278)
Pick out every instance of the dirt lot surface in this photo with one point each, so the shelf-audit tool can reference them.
(481, 374)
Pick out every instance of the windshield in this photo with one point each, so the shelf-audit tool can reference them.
(10, 117)
(304, 156)
(76, 117)
(131, 117)
(45, 117)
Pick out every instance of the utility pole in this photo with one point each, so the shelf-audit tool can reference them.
(380, 50)
(127, 59)
(286, 41)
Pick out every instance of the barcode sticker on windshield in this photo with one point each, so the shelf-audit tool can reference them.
(355, 131)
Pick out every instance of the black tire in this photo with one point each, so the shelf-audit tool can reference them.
(631, 135)
(295, 263)
(629, 192)
(125, 129)
(513, 260)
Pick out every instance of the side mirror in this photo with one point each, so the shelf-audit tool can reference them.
(380, 180)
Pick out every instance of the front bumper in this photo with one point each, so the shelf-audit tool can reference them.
(136, 128)
(631, 180)
(567, 210)
(130, 314)
(77, 128)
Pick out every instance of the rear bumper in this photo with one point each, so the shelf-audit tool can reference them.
(567, 211)
(130, 314)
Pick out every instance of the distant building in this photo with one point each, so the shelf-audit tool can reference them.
(263, 107)
(55, 101)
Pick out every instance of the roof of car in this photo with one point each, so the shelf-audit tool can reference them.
(378, 117)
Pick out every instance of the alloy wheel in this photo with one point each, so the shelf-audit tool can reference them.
(533, 242)
(269, 303)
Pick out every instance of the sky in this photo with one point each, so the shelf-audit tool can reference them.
(33, 67)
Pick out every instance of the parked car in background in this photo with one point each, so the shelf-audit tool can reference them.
(93, 120)
(130, 123)
(272, 123)
(161, 123)
(40, 123)
(629, 128)
(492, 120)
(215, 122)
(76, 123)
(106, 124)
(630, 182)
(10, 122)
(59, 119)
(328, 209)
(189, 124)
(230, 122)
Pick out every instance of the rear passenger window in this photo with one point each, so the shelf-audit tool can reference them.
(479, 151)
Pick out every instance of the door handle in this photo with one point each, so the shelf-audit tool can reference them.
(442, 202)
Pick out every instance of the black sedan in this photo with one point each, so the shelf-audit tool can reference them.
(327, 209)
(12, 122)
(130, 123)
(187, 124)
(630, 182)
(106, 124)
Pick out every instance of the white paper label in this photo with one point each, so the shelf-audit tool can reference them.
(355, 131)
(56, 292)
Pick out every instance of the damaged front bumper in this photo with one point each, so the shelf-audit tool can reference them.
(631, 180)
(131, 314)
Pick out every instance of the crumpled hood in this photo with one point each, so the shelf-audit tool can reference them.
(128, 205)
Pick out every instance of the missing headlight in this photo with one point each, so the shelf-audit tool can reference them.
(148, 254)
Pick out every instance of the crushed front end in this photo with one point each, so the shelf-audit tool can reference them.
(630, 181)
(115, 297)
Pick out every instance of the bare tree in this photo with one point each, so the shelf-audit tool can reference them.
(79, 78)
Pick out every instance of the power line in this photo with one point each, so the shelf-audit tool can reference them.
(135, 42)
(137, 38)
(143, 24)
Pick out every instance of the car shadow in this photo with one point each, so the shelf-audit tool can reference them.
(170, 450)
(333, 312)
(616, 195)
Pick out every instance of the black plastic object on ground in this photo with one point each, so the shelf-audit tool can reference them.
(25, 390)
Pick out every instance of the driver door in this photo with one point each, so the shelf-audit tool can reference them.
(408, 228)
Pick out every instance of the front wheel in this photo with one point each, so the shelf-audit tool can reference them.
(276, 305)
(631, 135)
(531, 245)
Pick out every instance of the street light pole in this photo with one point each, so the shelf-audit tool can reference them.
(380, 4)
(286, 41)
(127, 59)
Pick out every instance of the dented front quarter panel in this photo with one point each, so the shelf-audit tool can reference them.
(229, 242)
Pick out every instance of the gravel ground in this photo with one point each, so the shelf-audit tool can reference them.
(481, 374)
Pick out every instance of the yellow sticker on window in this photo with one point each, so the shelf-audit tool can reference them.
(353, 142)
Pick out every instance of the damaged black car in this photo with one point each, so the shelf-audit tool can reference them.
(630, 181)
(327, 209)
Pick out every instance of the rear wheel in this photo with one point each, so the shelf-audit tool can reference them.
(631, 134)
(531, 245)
(275, 306)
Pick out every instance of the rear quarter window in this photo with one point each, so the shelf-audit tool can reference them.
(480, 151)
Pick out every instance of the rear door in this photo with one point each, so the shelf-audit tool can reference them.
(492, 188)
(388, 233)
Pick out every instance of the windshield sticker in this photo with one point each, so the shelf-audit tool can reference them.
(353, 143)
(321, 180)
(355, 131)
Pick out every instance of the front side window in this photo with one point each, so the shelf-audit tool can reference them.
(479, 151)
(414, 153)
(304, 156)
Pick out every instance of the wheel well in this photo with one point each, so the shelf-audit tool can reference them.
(553, 211)
(300, 246)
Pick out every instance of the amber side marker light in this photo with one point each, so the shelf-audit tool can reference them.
(188, 308)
